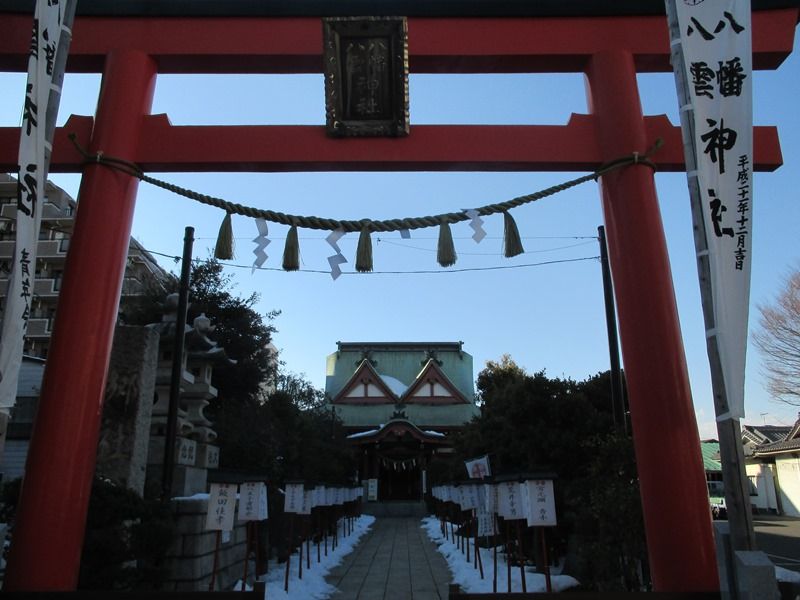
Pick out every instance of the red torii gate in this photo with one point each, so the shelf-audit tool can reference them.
(609, 50)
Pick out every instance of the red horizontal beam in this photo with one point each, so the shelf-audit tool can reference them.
(278, 148)
(454, 45)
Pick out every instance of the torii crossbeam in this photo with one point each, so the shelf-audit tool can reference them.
(609, 50)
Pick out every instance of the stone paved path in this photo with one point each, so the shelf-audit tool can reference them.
(394, 561)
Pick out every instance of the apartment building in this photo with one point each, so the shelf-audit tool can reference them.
(58, 213)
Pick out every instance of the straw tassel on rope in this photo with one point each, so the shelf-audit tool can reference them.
(512, 244)
(224, 247)
(446, 252)
(364, 252)
(291, 252)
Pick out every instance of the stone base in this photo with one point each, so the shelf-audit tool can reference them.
(125, 427)
(185, 451)
(186, 481)
(744, 575)
(191, 559)
(207, 456)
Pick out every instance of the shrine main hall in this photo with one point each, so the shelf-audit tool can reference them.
(400, 402)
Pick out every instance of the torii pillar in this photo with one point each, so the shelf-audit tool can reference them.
(664, 427)
(46, 554)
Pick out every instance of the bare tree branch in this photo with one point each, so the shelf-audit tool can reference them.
(778, 339)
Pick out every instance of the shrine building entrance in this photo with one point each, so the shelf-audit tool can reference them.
(397, 456)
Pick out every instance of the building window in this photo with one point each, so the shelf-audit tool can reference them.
(56, 276)
(753, 484)
(7, 229)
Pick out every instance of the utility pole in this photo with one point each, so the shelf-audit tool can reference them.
(171, 433)
(617, 397)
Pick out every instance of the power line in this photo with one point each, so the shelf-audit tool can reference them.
(460, 253)
(430, 237)
(411, 272)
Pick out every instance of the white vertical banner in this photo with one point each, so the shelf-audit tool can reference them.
(715, 39)
(32, 178)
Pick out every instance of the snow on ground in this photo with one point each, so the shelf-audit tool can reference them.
(469, 578)
(782, 574)
(313, 585)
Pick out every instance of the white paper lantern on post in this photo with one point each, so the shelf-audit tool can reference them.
(221, 506)
(509, 504)
(541, 503)
(252, 501)
(293, 498)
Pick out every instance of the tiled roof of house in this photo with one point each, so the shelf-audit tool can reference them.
(766, 434)
(790, 443)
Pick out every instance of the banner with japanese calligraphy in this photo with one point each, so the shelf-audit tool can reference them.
(32, 177)
(485, 523)
(509, 501)
(541, 505)
(253, 501)
(715, 39)
(221, 506)
(293, 498)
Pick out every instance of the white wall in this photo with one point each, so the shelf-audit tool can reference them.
(765, 485)
(788, 471)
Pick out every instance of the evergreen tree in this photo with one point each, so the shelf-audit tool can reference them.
(534, 423)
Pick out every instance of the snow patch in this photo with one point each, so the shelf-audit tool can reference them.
(469, 578)
(398, 387)
(787, 575)
(313, 584)
(362, 434)
(434, 433)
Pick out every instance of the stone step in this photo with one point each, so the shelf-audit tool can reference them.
(396, 508)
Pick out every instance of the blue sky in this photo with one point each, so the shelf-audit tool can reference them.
(546, 317)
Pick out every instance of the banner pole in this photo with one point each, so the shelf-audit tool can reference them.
(495, 528)
(740, 518)
(477, 549)
(508, 559)
(216, 561)
(288, 555)
(246, 553)
(521, 558)
(548, 582)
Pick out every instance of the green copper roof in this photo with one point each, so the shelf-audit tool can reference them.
(450, 415)
(400, 362)
(710, 452)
